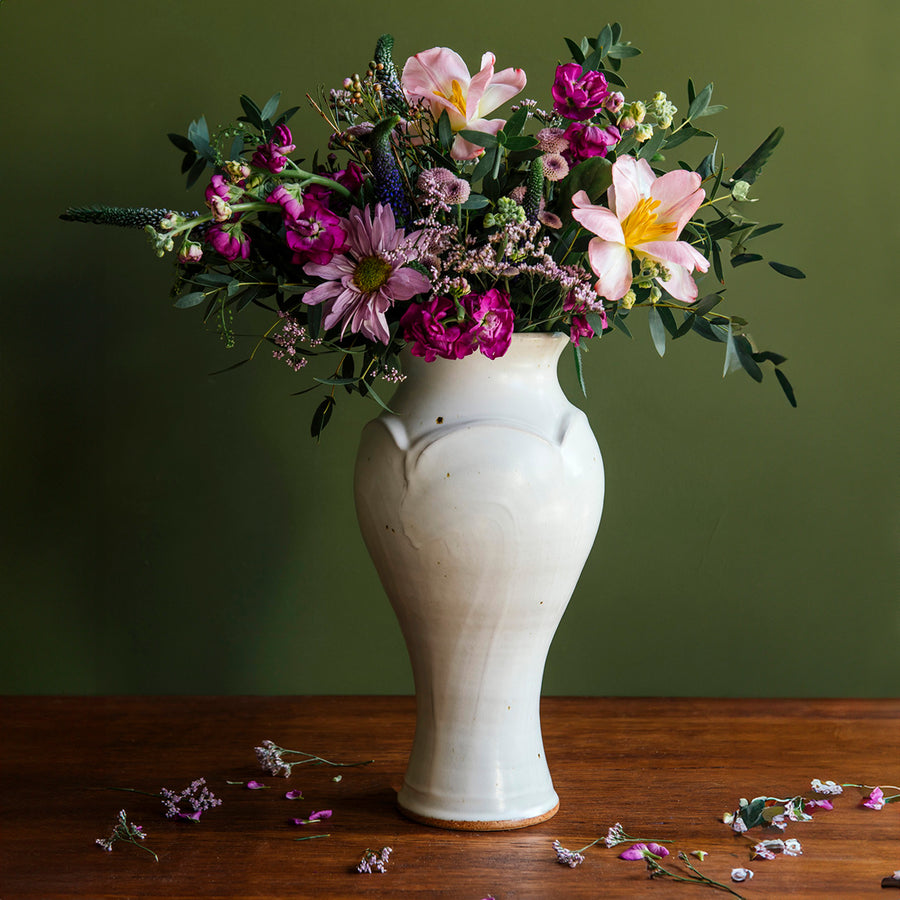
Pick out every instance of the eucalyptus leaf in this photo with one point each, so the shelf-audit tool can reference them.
(252, 111)
(516, 122)
(750, 169)
(623, 51)
(367, 390)
(481, 138)
(321, 417)
(181, 142)
(619, 322)
(445, 131)
(186, 301)
(271, 105)
(760, 230)
(485, 164)
(789, 271)
(700, 102)
(786, 387)
(475, 201)
(742, 259)
(575, 50)
(657, 330)
(579, 368)
(520, 142)
(732, 360)
(745, 355)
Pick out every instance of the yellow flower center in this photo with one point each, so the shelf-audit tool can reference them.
(457, 97)
(641, 224)
(371, 273)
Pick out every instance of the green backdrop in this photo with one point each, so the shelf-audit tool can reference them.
(170, 532)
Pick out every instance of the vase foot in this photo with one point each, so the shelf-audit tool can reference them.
(490, 825)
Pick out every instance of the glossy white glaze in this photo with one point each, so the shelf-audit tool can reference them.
(479, 499)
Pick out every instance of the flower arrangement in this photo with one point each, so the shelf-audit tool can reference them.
(435, 226)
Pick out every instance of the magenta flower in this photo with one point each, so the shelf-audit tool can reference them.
(875, 800)
(578, 95)
(273, 154)
(645, 217)
(585, 141)
(432, 330)
(637, 851)
(360, 285)
(492, 321)
(813, 805)
(294, 795)
(255, 786)
(314, 817)
(229, 240)
(220, 194)
(316, 236)
(440, 79)
(580, 327)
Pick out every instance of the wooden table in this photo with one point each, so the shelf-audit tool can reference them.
(663, 768)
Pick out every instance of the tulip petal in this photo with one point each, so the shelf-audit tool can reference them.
(597, 219)
(611, 263)
(502, 87)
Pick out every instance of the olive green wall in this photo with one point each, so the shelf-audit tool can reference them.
(166, 531)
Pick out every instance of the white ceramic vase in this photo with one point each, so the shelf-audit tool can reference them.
(479, 498)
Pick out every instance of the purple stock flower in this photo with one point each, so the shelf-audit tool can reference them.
(360, 285)
(273, 154)
(312, 230)
(586, 141)
(578, 95)
(493, 321)
(430, 335)
(229, 240)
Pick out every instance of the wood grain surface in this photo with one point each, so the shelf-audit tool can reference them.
(665, 769)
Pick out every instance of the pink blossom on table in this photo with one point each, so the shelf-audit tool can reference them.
(875, 800)
(813, 805)
(645, 217)
(493, 321)
(826, 787)
(229, 240)
(294, 795)
(362, 283)
(639, 851)
(578, 95)
(440, 79)
(586, 141)
(431, 330)
(792, 847)
(741, 874)
(255, 786)
(314, 817)
(273, 154)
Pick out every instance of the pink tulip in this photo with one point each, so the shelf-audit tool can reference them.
(645, 217)
(440, 79)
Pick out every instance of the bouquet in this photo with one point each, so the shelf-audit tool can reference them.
(433, 225)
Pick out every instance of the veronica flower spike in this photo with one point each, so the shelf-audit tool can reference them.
(440, 79)
(645, 216)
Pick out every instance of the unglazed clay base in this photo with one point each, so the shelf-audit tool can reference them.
(498, 825)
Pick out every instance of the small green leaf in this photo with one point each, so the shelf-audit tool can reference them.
(252, 111)
(186, 301)
(236, 365)
(786, 387)
(181, 142)
(619, 322)
(367, 390)
(445, 131)
(732, 360)
(745, 355)
(579, 369)
(485, 164)
(271, 105)
(762, 229)
(475, 201)
(623, 51)
(657, 330)
(650, 147)
(575, 50)
(789, 271)
(321, 417)
(705, 304)
(520, 142)
(743, 258)
(481, 138)
(605, 39)
(516, 122)
(750, 169)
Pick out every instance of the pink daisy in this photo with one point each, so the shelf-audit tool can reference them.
(361, 284)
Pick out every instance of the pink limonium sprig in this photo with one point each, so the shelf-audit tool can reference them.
(614, 836)
(127, 832)
(271, 758)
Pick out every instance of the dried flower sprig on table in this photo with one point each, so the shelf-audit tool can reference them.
(127, 832)
(614, 836)
(198, 797)
(656, 870)
(271, 758)
(374, 862)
